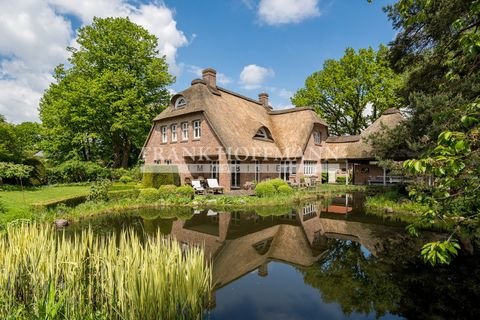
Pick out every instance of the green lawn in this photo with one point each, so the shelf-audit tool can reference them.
(17, 203)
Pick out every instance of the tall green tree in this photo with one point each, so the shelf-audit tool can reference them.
(101, 107)
(343, 90)
(10, 149)
(436, 48)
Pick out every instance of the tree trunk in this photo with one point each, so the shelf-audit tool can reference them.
(117, 150)
(126, 153)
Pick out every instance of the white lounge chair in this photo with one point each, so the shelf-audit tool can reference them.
(198, 187)
(213, 186)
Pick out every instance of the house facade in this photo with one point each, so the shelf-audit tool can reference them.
(211, 132)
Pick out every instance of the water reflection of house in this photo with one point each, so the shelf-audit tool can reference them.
(239, 243)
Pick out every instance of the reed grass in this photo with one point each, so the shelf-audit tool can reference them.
(47, 275)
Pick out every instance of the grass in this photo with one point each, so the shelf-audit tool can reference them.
(17, 203)
(49, 276)
(404, 210)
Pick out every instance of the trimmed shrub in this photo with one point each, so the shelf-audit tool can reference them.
(324, 177)
(125, 179)
(38, 174)
(341, 180)
(99, 190)
(284, 189)
(156, 176)
(265, 189)
(185, 191)
(149, 194)
(166, 191)
(276, 183)
(123, 194)
(52, 204)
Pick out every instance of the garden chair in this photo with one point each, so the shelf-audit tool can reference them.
(308, 182)
(198, 187)
(292, 181)
(213, 186)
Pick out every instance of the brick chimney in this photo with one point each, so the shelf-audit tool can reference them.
(263, 99)
(210, 77)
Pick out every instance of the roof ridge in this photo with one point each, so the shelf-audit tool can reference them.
(239, 95)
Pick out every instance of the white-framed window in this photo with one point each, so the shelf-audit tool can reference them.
(197, 130)
(309, 168)
(317, 137)
(164, 134)
(173, 129)
(180, 102)
(185, 131)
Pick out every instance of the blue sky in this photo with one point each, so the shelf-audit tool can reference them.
(255, 45)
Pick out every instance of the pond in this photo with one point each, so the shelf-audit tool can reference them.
(322, 260)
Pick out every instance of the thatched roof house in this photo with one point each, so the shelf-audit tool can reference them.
(209, 131)
(357, 146)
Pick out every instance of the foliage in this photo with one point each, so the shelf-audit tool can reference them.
(285, 190)
(185, 191)
(265, 189)
(436, 48)
(99, 190)
(100, 109)
(125, 179)
(106, 277)
(324, 177)
(76, 171)
(14, 171)
(29, 137)
(149, 194)
(454, 191)
(342, 90)
(10, 149)
(167, 191)
(342, 179)
(156, 176)
(38, 175)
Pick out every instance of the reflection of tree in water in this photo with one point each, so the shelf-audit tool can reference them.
(396, 282)
(346, 276)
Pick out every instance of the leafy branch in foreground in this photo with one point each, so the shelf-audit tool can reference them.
(451, 185)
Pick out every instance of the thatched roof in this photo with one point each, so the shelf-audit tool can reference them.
(235, 119)
(357, 147)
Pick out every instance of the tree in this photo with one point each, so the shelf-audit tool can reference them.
(343, 90)
(436, 48)
(29, 137)
(10, 149)
(454, 196)
(101, 107)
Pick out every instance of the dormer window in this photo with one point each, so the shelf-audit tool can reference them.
(180, 102)
(317, 137)
(264, 134)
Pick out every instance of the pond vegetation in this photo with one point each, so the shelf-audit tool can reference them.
(48, 275)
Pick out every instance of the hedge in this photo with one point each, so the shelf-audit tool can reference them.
(51, 204)
(155, 176)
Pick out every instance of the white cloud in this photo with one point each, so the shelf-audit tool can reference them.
(276, 12)
(252, 76)
(34, 35)
(284, 93)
